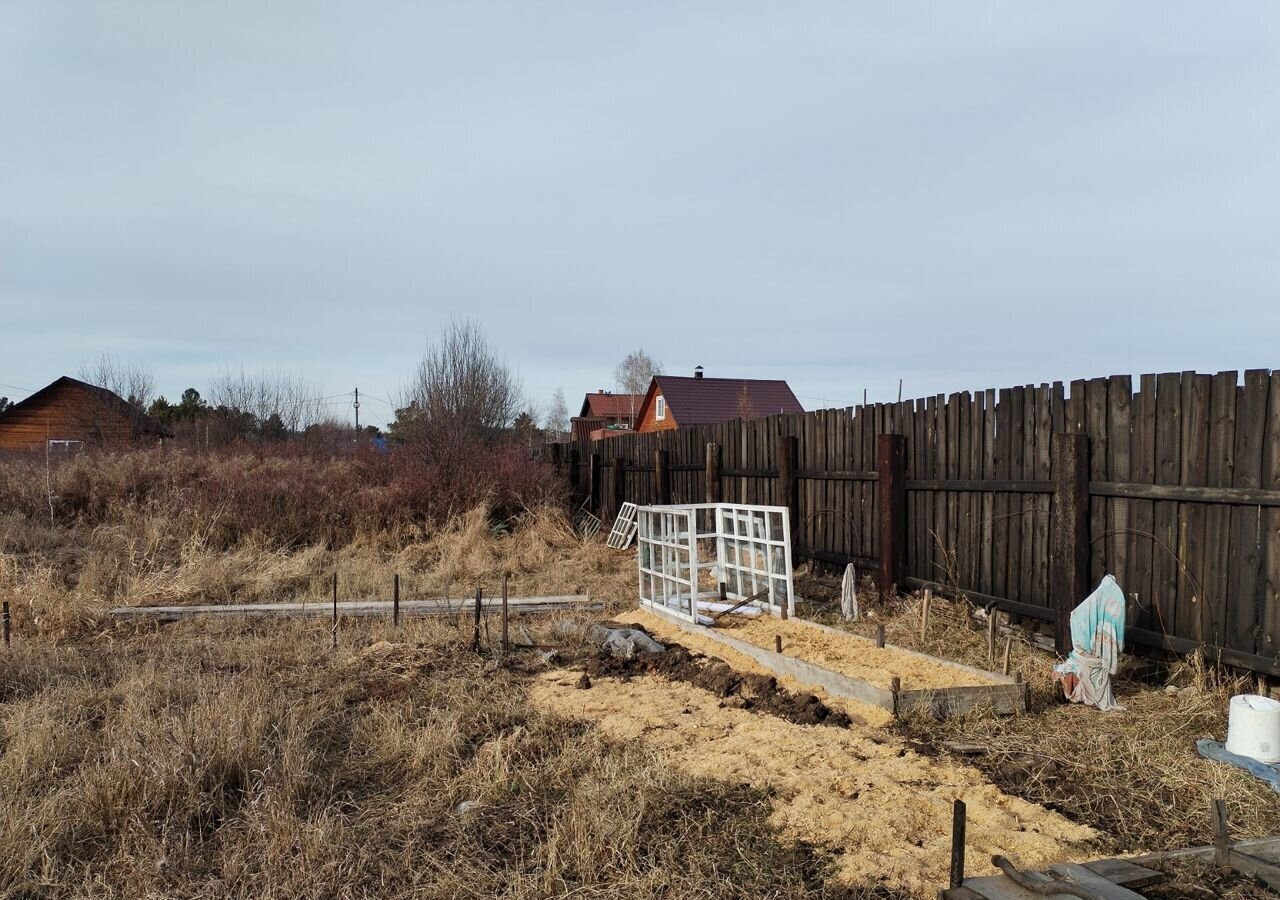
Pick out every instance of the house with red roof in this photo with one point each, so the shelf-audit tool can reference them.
(605, 414)
(673, 401)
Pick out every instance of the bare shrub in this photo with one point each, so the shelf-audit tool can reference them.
(462, 392)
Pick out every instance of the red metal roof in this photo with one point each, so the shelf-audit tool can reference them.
(611, 406)
(703, 401)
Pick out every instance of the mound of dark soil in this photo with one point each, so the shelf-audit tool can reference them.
(758, 693)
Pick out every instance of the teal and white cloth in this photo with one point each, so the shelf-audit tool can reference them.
(1097, 639)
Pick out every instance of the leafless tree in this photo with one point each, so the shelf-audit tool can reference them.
(132, 382)
(277, 401)
(746, 409)
(109, 418)
(634, 373)
(556, 423)
(462, 390)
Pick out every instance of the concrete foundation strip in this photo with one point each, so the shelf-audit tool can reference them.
(1000, 692)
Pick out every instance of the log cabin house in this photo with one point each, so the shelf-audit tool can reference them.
(70, 414)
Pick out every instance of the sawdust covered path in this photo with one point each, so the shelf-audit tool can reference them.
(883, 811)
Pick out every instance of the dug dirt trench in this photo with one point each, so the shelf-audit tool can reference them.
(880, 809)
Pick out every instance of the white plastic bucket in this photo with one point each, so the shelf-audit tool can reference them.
(1253, 728)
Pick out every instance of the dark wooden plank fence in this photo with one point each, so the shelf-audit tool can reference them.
(1182, 503)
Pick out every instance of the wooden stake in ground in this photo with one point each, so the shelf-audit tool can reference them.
(895, 688)
(395, 600)
(991, 637)
(879, 635)
(1221, 843)
(506, 640)
(334, 629)
(1008, 645)
(924, 613)
(957, 843)
(6, 623)
(475, 636)
(777, 643)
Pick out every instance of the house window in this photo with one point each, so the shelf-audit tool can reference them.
(660, 410)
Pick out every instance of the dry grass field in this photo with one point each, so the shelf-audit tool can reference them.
(223, 758)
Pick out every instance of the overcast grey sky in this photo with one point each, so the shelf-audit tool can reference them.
(963, 195)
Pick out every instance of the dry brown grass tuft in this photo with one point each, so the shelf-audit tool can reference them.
(218, 759)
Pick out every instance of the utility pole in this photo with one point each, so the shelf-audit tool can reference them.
(357, 405)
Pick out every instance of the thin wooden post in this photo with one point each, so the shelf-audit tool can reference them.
(619, 484)
(991, 637)
(891, 460)
(333, 631)
(395, 600)
(6, 623)
(475, 635)
(1221, 842)
(957, 843)
(713, 473)
(1069, 532)
(662, 476)
(777, 643)
(1008, 645)
(880, 636)
(895, 688)
(595, 478)
(924, 613)
(506, 639)
(789, 485)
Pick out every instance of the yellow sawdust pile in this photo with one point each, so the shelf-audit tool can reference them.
(883, 811)
(851, 655)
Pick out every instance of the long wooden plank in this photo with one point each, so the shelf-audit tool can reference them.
(1123, 872)
(1218, 550)
(358, 607)
(1269, 639)
(1244, 612)
(1000, 502)
(1027, 502)
(1017, 448)
(964, 502)
(1040, 503)
(1096, 428)
(952, 541)
(1083, 876)
(988, 496)
(1142, 514)
(1192, 612)
(1119, 435)
(1168, 457)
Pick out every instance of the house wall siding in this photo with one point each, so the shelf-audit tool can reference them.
(66, 414)
(651, 423)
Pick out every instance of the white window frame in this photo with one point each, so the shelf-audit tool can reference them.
(660, 408)
(752, 554)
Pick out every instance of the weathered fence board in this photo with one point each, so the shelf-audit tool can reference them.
(1184, 494)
